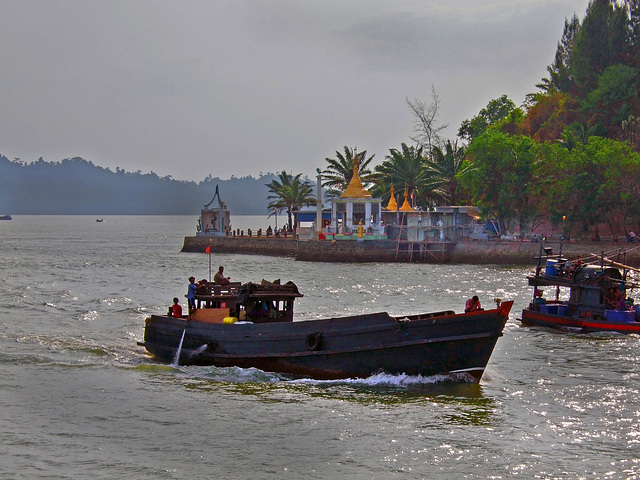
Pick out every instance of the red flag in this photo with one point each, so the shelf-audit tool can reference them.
(208, 250)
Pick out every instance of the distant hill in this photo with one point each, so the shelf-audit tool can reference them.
(78, 187)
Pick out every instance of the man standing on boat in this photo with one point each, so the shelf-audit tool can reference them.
(191, 294)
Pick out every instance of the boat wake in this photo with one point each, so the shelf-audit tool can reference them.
(388, 380)
(240, 375)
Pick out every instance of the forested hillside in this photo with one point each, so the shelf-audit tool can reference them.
(78, 187)
(570, 154)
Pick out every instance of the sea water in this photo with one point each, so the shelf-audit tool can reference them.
(80, 399)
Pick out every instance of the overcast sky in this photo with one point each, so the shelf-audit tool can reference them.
(192, 88)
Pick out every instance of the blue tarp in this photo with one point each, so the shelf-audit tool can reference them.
(311, 216)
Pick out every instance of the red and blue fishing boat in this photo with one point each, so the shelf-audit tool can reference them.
(585, 296)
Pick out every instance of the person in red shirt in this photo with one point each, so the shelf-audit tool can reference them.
(176, 309)
(472, 305)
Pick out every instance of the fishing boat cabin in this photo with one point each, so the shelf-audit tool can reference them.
(590, 288)
(264, 302)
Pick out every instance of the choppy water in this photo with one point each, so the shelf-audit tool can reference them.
(79, 399)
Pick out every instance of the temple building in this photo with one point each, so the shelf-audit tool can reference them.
(215, 220)
(356, 206)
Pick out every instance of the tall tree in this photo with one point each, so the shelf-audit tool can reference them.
(594, 49)
(560, 71)
(337, 175)
(289, 193)
(426, 125)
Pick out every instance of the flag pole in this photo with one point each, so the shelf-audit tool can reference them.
(209, 252)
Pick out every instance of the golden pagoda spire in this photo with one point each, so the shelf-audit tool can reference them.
(406, 206)
(355, 188)
(393, 205)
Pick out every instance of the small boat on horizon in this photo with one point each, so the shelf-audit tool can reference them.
(5, 217)
(99, 220)
(592, 304)
(252, 326)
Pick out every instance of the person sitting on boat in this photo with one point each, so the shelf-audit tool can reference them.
(175, 310)
(609, 300)
(539, 300)
(623, 304)
(219, 278)
(272, 313)
(473, 305)
(569, 267)
(191, 294)
(257, 312)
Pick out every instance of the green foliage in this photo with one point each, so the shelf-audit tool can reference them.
(447, 165)
(611, 102)
(495, 111)
(405, 168)
(596, 182)
(596, 66)
(290, 193)
(560, 76)
(503, 178)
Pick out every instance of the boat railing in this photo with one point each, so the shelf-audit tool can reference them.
(422, 316)
(213, 290)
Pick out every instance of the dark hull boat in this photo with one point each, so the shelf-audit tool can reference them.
(588, 307)
(335, 348)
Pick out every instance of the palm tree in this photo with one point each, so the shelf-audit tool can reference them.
(289, 193)
(340, 170)
(445, 166)
(404, 168)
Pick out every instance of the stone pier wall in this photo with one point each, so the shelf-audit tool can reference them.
(280, 247)
(507, 253)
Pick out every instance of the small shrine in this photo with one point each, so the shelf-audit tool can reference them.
(356, 206)
(215, 219)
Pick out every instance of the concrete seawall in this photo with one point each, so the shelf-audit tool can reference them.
(506, 253)
(280, 247)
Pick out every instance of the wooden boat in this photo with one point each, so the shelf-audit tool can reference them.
(334, 348)
(586, 307)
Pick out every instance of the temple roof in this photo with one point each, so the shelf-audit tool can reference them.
(221, 204)
(406, 206)
(392, 205)
(355, 188)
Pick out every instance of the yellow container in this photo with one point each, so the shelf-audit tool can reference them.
(230, 320)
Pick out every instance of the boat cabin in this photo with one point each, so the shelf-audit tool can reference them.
(588, 286)
(264, 302)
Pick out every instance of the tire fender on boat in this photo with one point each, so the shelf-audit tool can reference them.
(314, 341)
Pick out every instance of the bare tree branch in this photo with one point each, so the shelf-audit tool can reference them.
(426, 126)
